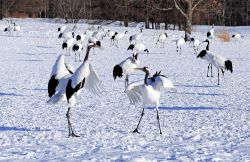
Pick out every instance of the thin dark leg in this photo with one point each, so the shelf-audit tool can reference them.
(208, 70)
(218, 77)
(71, 132)
(158, 119)
(79, 56)
(136, 129)
(211, 70)
(117, 43)
(126, 81)
(222, 72)
(69, 124)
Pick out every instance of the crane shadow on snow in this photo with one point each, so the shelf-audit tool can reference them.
(196, 86)
(4, 128)
(32, 60)
(44, 47)
(202, 94)
(195, 108)
(9, 94)
(35, 54)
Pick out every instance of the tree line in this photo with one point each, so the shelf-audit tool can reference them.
(181, 14)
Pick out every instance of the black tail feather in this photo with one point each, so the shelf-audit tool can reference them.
(60, 35)
(64, 45)
(202, 54)
(53, 82)
(78, 37)
(130, 38)
(229, 65)
(75, 47)
(117, 71)
(208, 34)
(131, 47)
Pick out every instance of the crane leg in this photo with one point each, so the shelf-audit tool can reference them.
(79, 56)
(71, 132)
(211, 70)
(208, 70)
(136, 129)
(218, 77)
(222, 72)
(126, 81)
(158, 119)
(75, 56)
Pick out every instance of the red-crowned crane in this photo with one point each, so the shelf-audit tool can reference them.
(126, 67)
(148, 91)
(67, 45)
(62, 28)
(135, 37)
(216, 60)
(83, 77)
(138, 47)
(210, 33)
(196, 44)
(77, 48)
(179, 43)
(117, 36)
(162, 38)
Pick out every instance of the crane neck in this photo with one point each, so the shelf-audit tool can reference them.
(207, 48)
(87, 53)
(146, 77)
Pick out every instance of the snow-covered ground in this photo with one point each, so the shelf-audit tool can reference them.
(200, 122)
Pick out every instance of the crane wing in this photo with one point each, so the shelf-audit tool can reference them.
(60, 69)
(60, 90)
(93, 83)
(134, 93)
(162, 81)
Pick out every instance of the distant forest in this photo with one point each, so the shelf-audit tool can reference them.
(179, 13)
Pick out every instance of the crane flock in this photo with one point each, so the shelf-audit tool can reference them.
(66, 84)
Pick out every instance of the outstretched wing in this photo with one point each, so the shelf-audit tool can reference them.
(93, 83)
(134, 93)
(60, 90)
(162, 81)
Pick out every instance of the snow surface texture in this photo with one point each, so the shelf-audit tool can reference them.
(200, 122)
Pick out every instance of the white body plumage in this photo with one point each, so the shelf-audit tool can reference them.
(62, 28)
(139, 92)
(136, 37)
(66, 35)
(179, 43)
(162, 39)
(210, 33)
(138, 47)
(59, 75)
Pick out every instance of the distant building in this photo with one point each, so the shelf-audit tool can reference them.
(28, 9)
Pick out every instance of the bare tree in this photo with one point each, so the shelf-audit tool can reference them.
(6, 5)
(185, 7)
(1, 9)
(70, 10)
